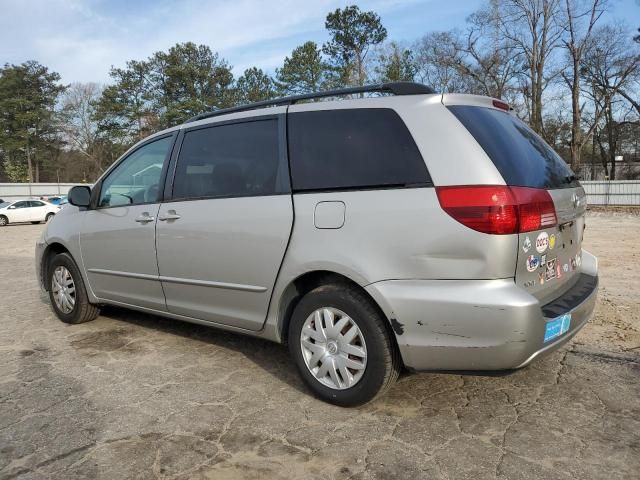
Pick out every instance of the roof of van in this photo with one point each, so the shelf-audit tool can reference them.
(395, 88)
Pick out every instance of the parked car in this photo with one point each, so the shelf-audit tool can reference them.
(57, 200)
(417, 230)
(34, 211)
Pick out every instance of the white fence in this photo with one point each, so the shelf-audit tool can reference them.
(11, 191)
(618, 192)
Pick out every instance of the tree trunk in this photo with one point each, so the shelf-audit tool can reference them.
(603, 160)
(610, 138)
(576, 132)
(29, 165)
(593, 156)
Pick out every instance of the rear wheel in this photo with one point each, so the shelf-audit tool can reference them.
(49, 216)
(341, 346)
(67, 292)
(3, 221)
(35, 223)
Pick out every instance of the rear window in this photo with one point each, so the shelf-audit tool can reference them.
(519, 154)
(353, 148)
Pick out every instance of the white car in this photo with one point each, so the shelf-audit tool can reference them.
(34, 211)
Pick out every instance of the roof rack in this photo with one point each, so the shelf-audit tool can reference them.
(395, 88)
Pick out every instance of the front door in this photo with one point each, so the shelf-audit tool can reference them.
(20, 212)
(118, 235)
(222, 237)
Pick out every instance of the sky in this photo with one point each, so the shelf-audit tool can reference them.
(81, 40)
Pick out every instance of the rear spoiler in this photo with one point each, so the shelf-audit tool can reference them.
(475, 100)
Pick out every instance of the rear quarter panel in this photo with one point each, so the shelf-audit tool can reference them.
(394, 234)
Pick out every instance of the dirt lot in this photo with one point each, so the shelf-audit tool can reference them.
(132, 395)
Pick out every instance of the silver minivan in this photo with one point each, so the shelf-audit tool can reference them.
(404, 230)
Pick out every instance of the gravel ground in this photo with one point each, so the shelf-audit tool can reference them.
(135, 396)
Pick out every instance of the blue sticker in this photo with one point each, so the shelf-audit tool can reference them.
(557, 326)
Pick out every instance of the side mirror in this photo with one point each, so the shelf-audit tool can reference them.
(80, 196)
(12, 207)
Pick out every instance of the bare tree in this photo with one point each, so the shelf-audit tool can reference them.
(436, 57)
(78, 121)
(488, 58)
(610, 65)
(581, 17)
(532, 25)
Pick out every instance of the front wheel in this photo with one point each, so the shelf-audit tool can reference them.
(4, 221)
(67, 292)
(341, 346)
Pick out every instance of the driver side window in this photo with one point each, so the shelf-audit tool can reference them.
(137, 179)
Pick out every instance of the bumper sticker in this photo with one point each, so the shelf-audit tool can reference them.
(557, 327)
(542, 242)
(533, 262)
(550, 269)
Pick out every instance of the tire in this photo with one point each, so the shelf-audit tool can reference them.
(382, 359)
(49, 217)
(81, 311)
(35, 223)
(4, 221)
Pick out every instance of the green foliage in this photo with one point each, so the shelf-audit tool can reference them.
(16, 170)
(352, 33)
(396, 65)
(125, 109)
(304, 72)
(254, 86)
(187, 80)
(28, 94)
(164, 90)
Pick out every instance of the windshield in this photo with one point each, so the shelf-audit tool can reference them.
(4, 204)
(521, 156)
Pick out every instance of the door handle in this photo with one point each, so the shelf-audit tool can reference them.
(171, 215)
(145, 218)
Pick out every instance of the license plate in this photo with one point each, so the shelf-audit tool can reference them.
(557, 326)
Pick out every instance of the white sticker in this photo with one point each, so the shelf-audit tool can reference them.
(542, 242)
(526, 245)
(533, 262)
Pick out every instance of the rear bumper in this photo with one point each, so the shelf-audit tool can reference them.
(480, 324)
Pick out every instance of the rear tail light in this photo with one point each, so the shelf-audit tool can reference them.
(498, 209)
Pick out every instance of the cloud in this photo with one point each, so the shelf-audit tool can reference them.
(82, 40)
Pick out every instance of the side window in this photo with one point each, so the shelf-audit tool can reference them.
(137, 179)
(23, 204)
(353, 148)
(35, 203)
(239, 159)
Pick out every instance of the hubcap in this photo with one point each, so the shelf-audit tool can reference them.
(63, 289)
(3, 221)
(333, 348)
